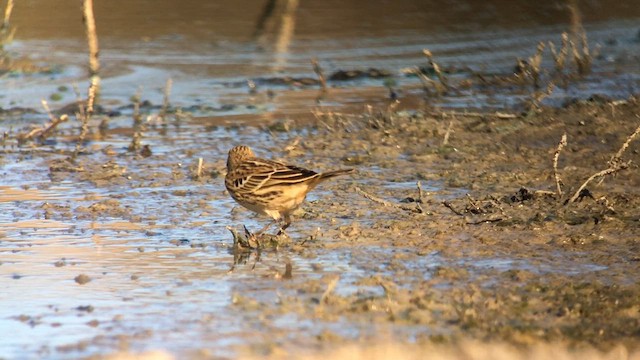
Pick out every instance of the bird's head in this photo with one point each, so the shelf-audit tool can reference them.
(238, 154)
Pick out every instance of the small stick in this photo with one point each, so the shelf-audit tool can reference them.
(375, 198)
(417, 209)
(556, 155)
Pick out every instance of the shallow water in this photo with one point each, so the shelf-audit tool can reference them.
(161, 271)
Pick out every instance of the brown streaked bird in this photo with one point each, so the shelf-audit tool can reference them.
(269, 187)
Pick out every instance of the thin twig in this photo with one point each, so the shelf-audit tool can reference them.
(556, 155)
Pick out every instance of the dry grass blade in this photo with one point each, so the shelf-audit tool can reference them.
(556, 156)
(321, 78)
(444, 82)
(330, 287)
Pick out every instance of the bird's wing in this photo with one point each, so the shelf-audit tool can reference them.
(259, 174)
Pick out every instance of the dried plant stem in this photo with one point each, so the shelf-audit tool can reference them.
(7, 15)
(535, 63)
(425, 80)
(83, 116)
(318, 70)
(445, 141)
(45, 130)
(617, 157)
(94, 63)
(615, 164)
(582, 56)
(538, 96)
(497, 114)
(330, 287)
(6, 32)
(443, 79)
(556, 155)
(138, 126)
(165, 100)
(559, 57)
(199, 168)
(417, 209)
(375, 198)
(45, 105)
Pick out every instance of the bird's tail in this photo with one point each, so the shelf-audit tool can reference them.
(330, 174)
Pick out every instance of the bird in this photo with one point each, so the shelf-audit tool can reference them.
(270, 187)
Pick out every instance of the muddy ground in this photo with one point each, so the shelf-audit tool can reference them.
(433, 242)
(573, 271)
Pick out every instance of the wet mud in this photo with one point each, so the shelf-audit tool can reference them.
(432, 241)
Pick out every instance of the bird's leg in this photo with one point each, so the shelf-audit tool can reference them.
(287, 222)
(259, 233)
